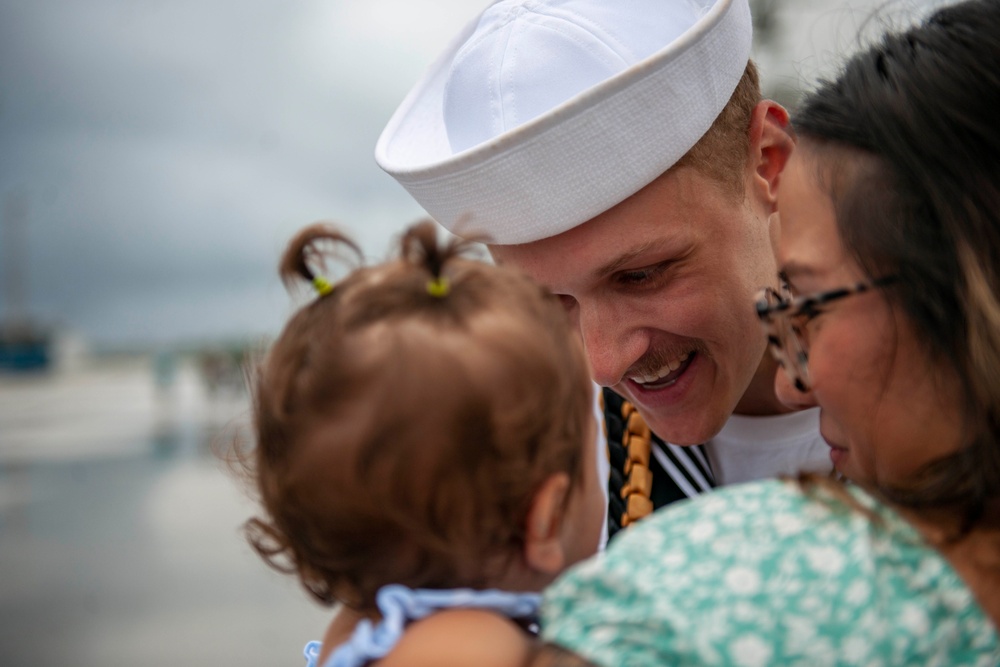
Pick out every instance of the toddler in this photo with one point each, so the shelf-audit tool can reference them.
(424, 453)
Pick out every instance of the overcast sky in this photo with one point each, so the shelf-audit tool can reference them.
(160, 152)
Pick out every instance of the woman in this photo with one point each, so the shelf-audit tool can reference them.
(888, 318)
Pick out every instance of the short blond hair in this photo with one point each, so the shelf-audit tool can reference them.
(722, 152)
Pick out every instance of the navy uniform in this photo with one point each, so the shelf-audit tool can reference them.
(646, 472)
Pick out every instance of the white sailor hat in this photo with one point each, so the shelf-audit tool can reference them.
(542, 114)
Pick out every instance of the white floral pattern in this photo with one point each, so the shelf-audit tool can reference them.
(762, 574)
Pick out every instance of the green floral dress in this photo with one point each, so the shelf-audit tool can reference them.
(762, 574)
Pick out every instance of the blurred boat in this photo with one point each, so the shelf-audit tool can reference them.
(25, 347)
(24, 344)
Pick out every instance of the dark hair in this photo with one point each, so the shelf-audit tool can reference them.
(910, 141)
(401, 430)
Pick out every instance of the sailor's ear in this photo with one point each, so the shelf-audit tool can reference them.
(771, 144)
(543, 546)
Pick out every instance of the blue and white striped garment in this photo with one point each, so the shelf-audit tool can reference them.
(400, 605)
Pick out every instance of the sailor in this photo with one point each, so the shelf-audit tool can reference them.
(621, 154)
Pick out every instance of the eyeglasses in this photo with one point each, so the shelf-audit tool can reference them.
(784, 318)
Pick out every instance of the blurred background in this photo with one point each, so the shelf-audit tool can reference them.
(155, 156)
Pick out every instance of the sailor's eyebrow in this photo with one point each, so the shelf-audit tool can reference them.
(630, 254)
(622, 259)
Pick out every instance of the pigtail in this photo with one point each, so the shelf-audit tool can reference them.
(306, 258)
(309, 253)
(420, 247)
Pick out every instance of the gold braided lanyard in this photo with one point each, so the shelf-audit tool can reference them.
(636, 438)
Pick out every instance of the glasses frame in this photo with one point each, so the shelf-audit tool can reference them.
(778, 311)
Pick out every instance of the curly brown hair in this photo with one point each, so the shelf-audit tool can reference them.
(401, 434)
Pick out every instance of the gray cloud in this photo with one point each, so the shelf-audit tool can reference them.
(167, 149)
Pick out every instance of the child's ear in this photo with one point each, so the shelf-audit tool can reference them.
(543, 547)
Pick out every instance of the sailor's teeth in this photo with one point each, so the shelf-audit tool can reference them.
(667, 369)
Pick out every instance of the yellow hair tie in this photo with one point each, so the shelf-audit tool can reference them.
(322, 285)
(438, 287)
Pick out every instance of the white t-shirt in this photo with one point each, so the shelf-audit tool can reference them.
(603, 464)
(751, 448)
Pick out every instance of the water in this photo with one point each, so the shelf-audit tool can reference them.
(119, 527)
